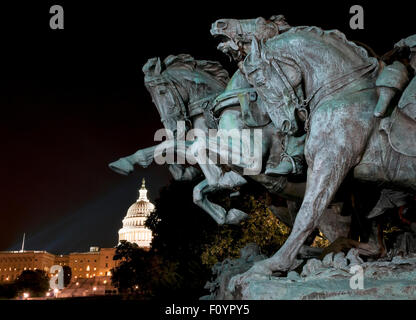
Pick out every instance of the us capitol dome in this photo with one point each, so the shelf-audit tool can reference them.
(133, 229)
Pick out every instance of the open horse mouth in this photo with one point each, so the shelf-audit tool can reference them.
(228, 46)
(225, 42)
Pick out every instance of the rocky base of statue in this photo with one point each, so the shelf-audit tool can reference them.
(336, 277)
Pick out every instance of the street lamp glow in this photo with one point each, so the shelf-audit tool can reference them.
(94, 289)
(25, 295)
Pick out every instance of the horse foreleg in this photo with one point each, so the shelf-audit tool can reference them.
(324, 177)
(217, 212)
(181, 173)
(323, 181)
(125, 165)
(143, 157)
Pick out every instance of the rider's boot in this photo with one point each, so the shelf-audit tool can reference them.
(386, 94)
(392, 79)
(291, 160)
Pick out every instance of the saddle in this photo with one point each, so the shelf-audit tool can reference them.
(240, 93)
(401, 130)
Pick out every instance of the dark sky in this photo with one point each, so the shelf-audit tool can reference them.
(73, 100)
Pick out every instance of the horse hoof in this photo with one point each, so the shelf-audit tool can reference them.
(235, 216)
(258, 269)
(121, 166)
(231, 180)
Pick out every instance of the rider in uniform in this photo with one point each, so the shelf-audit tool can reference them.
(407, 105)
(395, 78)
(392, 81)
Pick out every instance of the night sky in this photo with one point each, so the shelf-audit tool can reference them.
(73, 100)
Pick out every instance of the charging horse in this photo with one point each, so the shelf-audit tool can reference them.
(182, 88)
(337, 81)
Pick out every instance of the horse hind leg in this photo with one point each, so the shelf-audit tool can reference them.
(200, 192)
(218, 213)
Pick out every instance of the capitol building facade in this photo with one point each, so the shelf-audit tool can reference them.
(90, 271)
(133, 229)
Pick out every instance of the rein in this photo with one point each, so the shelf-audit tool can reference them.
(322, 91)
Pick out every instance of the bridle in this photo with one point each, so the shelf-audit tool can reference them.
(187, 110)
(307, 106)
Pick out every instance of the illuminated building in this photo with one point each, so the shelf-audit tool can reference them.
(95, 263)
(12, 263)
(133, 229)
(90, 269)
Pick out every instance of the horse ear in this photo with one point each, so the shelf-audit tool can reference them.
(255, 50)
(152, 67)
(158, 67)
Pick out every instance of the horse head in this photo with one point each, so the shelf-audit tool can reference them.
(408, 43)
(235, 35)
(180, 82)
(258, 71)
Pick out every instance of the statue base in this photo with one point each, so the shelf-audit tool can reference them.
(336, 277)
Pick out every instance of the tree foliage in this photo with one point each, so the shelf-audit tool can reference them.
(261, 227)
(8, 291)
(141, 273)
(35, 282)
(187, 241)
(67, 275)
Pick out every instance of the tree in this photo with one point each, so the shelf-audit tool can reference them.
(181, 230)
(261, 227)
(67, 275)
(35, 282)
(187, 241)
(142, 273)
(8, 291)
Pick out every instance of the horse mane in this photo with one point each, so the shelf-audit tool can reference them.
(336, 35)
(212, 68)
